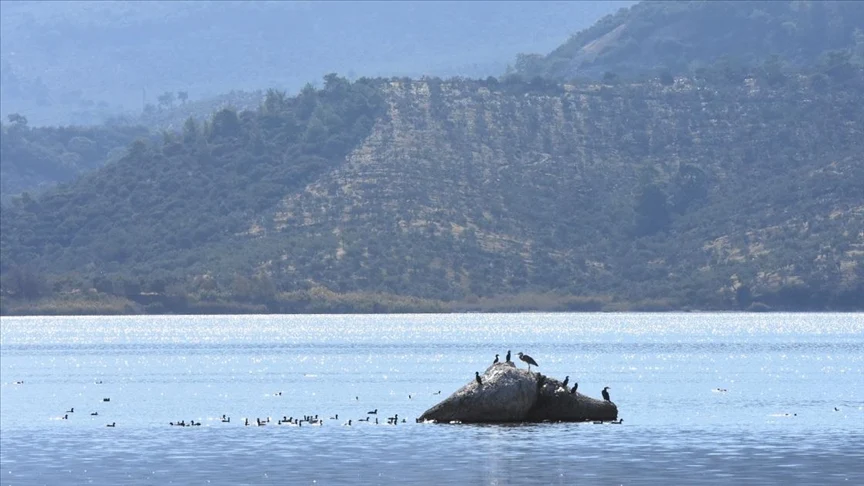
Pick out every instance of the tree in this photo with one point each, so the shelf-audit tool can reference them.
(772, 71)
(652, 211)
(666, 78)
(190, 130)
(166, 99)
(529, 64)
(226, 124)
(183, 96)
(18, 119)
(274, 102)
(24, 282)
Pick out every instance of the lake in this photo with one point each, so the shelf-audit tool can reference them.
(792, 409)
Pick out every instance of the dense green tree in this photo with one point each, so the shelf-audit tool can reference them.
(652, 211)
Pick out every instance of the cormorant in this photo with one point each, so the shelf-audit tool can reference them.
(373, 412)
(566, 380)
(112, 424)
(95, 413)
(508, 357)
(575, 387)
(496, 360)
(528, 359)
(606, 394)
(71, 410)
(477, 377)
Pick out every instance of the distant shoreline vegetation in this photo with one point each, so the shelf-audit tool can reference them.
(324, 301)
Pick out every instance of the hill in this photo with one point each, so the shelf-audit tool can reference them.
(680, 37)
(33, 159)
(78, 62)
(707, 193)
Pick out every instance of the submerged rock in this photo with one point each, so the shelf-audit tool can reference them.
(510, 394)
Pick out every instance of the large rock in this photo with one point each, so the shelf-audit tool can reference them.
(510, 394)
(554, 402)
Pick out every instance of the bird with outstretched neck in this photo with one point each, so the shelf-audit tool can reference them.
(507, 359)
(496, 360)
(528, 359)
(566, 380)
(606, 394)
(575, 387)
(477, 377)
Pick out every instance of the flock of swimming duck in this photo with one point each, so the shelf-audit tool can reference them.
(315, 420)
(72, 410)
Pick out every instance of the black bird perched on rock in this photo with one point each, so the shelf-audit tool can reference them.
(528, 359)
(566, 380)
(575, 387)
(507, 360)
(606, 394)
(496, 360)
(477, 377)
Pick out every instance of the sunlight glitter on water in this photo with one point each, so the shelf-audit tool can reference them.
(456, 328)
(664, 371)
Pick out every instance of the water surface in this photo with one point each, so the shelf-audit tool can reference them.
(784, 375)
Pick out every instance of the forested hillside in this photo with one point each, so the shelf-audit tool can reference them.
(708, 193)
(32, 159)
(712, 163)
(680, 37)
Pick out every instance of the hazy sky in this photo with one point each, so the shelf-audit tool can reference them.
(111, 51)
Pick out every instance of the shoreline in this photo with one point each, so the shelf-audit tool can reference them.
(119, 306)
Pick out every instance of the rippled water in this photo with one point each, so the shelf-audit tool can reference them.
(784, 375)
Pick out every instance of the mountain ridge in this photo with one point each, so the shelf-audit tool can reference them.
(725, 187)
(681, 37)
